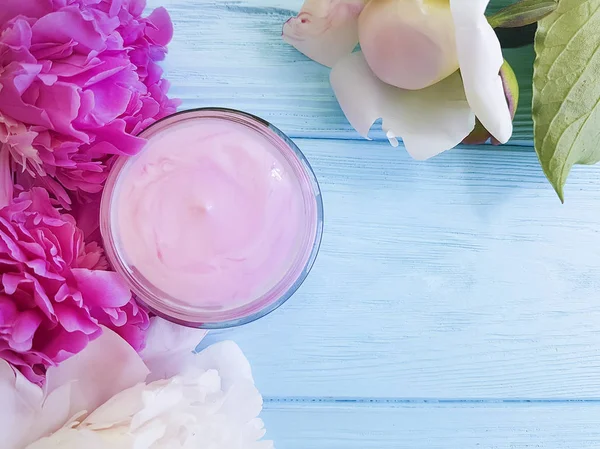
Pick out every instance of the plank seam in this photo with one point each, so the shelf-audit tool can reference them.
(408, 401)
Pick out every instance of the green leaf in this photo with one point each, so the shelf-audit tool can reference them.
(566, 89)
(522, 13)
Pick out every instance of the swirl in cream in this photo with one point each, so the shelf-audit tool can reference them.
(212, 213)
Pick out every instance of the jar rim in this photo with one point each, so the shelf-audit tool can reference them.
(158, 302)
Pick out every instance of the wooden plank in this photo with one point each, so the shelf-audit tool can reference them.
(414, 426)
(460, 277)
(230, 53)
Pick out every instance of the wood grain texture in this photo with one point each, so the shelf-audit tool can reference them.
(518, 426)
(230, 53)
(459, 280)
(461, 277)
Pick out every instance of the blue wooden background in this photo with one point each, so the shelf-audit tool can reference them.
(455, 302)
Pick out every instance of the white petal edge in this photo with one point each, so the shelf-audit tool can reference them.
(169, 347)
(221, 366)
(19, 406)
(215, 404)
(430, 120)
(227, 358)
(24, 414)
(325, 30)
(107, 366)
(480, 58)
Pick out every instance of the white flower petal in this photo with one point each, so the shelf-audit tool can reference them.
(19, 406)
(105, 367)
(24, 415)
(54, 414)
(118, 410)
(244, 392)
(212, 404)
(227, 358)
(430, 120)
(73, 439)
(169, 346)
(480, 58)
(325, 30)
(160, 398)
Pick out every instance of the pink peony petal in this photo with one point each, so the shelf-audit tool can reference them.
(95, 57)
(429, 121)
(53, 186)
(102, 288)
(24, 328)
(110, 101)
(40, 203)
(40, 266)
(66, 25)
(73, 66)
(115, 134)
(52, 321)
(116, 317)
(16, 41)
(61, 102)
(107, 366)
(25, 8)
(134, 333)
(6, 182)
(480, 59)
(94, 256)
(63, 345)
(77, 78)
(32, 365)
(73, 319)
(41, 297)
(8, 311)
(11, 102)
(10, 282)
(325, 30)
(106, 69)
(115, 7)
(161, 32)
(28, 75)
(52, 50)
(154, 74)
(87, 214)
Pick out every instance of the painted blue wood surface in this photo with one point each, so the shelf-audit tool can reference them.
(455, 303)
(460, 277)
(433, 426)
(230, 53)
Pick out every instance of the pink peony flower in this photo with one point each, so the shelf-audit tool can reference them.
(78, 80)
(55, 290)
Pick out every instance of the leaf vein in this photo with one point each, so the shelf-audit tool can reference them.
(575, 83)
(580, 30)
(564, 167)
(566, 89)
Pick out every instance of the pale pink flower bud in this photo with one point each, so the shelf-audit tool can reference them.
(409, 43)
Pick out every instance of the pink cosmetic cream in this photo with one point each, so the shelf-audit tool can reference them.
(216, 222)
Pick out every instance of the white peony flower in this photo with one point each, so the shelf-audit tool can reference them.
(406, 72)
(108, 402)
